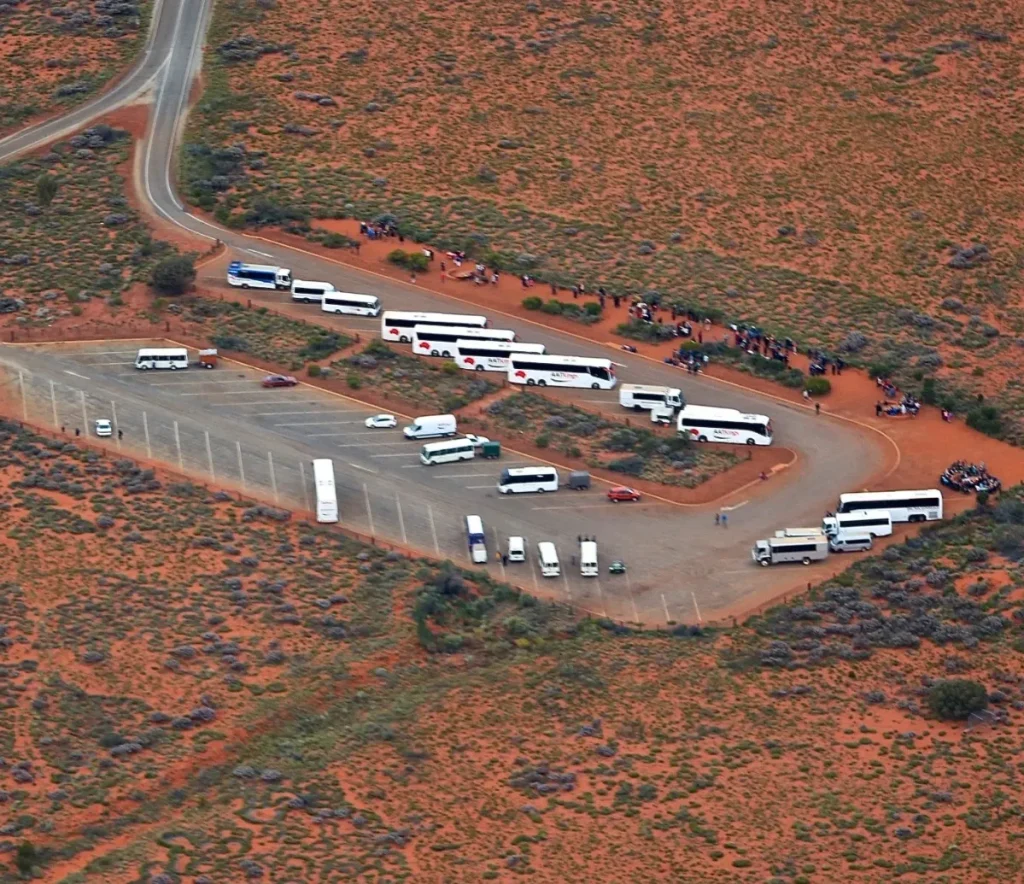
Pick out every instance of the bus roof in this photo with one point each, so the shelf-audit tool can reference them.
(527, 358)
(796, 541)
(708, 412)
(526, 471)
(323, 470)
(369, 299)
(241, 265)
(499, 346)
(854, 496)
(431, 317)
(470, 330)
(644, 388)
(474, 525)
(162, 351)
(446, 443)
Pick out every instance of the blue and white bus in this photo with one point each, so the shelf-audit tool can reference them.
(476, 540)
(258, 276)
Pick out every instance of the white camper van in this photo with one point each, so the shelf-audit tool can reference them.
(776, 550)
(588, 558)
(430, 426)
(877, 523)
(548, 558)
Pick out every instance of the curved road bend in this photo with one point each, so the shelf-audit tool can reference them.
(834, 456)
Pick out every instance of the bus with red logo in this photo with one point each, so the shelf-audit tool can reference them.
(439, 340)
(474, 355)
(397, 325)
(701, 423)
(561, 371)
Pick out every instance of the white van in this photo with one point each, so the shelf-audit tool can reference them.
(548, 559)
(431, 425)
(850, 542)
(306, 292)
(641, 396)
(516, 549)
(775, 550)
(798, 532)
(447, 452)
(588, 558)
(877, 523)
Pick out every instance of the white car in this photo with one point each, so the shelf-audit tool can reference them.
(381, 421)
(103, 428)
(478, 441)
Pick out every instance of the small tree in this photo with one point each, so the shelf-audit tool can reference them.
(956, 698)
(26, 858)
(174, 275)
(818, 386)
(46, 188)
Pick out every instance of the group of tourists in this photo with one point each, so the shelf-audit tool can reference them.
(755, 342)
(968, 477)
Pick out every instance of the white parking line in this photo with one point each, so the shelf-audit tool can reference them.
(460, 475)
(286, 413)
(317, 423)
(219, 382)
(477, 487)
(363, 444)
(579, 506)
(129, 362)
(76, 374)
(364, 469)
(401, 454)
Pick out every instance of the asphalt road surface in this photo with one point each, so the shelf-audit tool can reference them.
(679, 562)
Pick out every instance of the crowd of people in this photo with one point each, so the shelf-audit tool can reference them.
(968, 477)
(757, 343)
(897, 405)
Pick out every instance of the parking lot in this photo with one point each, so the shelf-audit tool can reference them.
(223, 427)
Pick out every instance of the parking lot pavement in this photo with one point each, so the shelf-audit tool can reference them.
(222, 426)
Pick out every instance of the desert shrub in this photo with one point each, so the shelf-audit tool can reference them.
(378, 349)
(46, 188)
(322, 345)
(645, 331)
(985, 419)
(354, 381)
(230, 342)
(173, 275)
(265, 211)
(413, 261)
(956, 698)
(337, 241)
(313, 371)
(553, 307)
(592, 308)
(818, 386)
(928, 393)
(26, 857)
(631, 466)
(449, 367)
(542, 441)
(532, 303)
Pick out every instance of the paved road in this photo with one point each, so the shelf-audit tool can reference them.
(711, 566)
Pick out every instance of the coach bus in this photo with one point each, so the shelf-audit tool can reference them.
(701, 423)
(525, 480)
(347, 302)
(326, 495)
(258, 276)
(489, 355)
(171, 358)
(903, 506)
(439, 340)
(561, 371)
(397, 325)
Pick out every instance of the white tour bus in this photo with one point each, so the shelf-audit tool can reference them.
(326, 495)
(440, 340)
(640, 396)
(798, 532)
(447, 452)
(903, 506)
(588, 558)
(775, 550)
(307, 292)
(547, 555)
(877, 523)
(518, 480)
(701, 423)
(561, 371)
(347, 302)
(475, 355)
(397, 325)
(165, 357)
(258, 276)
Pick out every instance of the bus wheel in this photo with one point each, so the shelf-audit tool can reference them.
(637, 408)
(595, 386)
(434, 353)
(542, 382)
(245, 285)
(765, 563)
(750, 441)
(530, 382)
(702, 438)
(403, 339)
(479, 368)
(174, 367)
(805, 560)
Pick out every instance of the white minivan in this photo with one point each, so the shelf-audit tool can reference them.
(306, 292)
(588, 558)
(516, 549)
(430, 426)
(847, 541)
(548, 558)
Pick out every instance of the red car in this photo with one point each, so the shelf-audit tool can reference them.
(279, 380)
(621, 492)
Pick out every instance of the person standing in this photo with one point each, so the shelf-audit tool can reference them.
(718, 518)
(817, 408)
(725, 520)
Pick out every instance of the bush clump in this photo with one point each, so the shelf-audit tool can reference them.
(415, 262)
(173, 275)
(532, 303)
(956, 698)
(818, 386)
